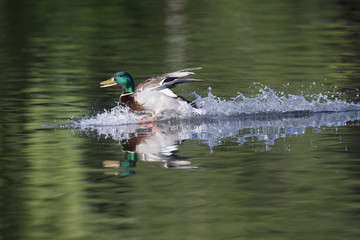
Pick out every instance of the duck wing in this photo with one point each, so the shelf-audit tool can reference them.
(167, 80)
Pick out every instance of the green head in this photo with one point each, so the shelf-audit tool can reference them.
(123, 79)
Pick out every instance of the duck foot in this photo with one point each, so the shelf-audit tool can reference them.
(149, 119)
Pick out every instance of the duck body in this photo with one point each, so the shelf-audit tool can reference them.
(154, 95)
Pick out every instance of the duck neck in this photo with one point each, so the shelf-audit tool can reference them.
(129, 87)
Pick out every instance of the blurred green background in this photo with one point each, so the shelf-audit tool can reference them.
(53, 54)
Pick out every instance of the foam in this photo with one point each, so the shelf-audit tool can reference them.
(266, 101)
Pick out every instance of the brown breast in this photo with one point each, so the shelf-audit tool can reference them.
(129, 101)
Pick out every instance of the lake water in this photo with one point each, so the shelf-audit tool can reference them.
(271, 153)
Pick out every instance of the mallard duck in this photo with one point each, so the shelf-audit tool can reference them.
(153, 95)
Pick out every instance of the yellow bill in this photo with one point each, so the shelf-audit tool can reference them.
(108, 83)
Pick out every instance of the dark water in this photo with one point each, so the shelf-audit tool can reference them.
(74, 165)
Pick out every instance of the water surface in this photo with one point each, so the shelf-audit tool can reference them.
(273, 153)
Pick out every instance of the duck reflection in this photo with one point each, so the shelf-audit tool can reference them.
(151, 143)
(160, 141)
(128, 163)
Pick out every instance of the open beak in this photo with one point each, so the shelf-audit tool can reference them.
(108, 83)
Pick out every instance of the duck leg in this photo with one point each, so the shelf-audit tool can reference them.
(149, 119)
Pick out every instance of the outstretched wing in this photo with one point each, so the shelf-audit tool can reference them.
(167, 80)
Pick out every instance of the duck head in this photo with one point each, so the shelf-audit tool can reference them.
(123, 80)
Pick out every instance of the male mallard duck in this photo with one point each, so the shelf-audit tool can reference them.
(154, 94)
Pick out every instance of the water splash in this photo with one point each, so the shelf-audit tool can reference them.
(213, 131)
(266, 101)
(263, 117)
(118, 115)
